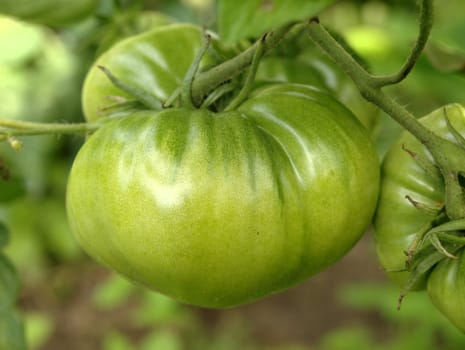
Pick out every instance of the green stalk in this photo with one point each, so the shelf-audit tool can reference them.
(449, 156)
(207, 81)
(12, 128)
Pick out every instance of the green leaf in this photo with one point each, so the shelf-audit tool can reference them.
(11, 331)
(113, 292)
(449, 24)
(11, 188)
(162, 340)
(9, 283)
(38, 329)
(245, 19)
(446, 58)
(4, 235)
(353, 338)
(157, 309)
(116, 341)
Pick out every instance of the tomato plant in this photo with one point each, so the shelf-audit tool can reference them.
(221, 209)
(410, 199)
(222, 168)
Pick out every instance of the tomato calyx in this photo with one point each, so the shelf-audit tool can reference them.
(183, 95)
(144, 97)
(438, 240)
(443, 236)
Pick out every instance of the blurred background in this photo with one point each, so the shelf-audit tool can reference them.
(69, 302)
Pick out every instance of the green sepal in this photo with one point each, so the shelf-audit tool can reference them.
(425, 163)
(146, 98)
(426, 208)
(442, 242)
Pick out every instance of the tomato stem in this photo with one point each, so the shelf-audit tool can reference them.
(250, 79)
(9, 129)
(426, 24)
(207, 81)
(186, 89)
(449, 156)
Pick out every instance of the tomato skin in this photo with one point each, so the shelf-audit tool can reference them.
(221, 209)
(155, 61)
(55, 13)
(396, 220)
(319, 71)
(446, 288)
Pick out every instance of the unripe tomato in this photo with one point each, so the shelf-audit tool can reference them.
(220, 209)
(397, 220)
(446, 288)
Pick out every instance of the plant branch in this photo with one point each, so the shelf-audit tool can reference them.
(426, 24)
(12, 128)
(449, 156)
(207, 81)
(248, 84)
(365, 81)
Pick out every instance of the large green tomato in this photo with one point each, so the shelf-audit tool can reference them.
(219, 209)
(156, 61)
(49, 12)
(397, 221)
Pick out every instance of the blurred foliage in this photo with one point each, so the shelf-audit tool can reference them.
(41, 72)
(247, 19)
(418, 325)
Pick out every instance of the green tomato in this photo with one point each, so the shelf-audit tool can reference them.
(396, 220)
(446, 288)
(220, 209)
(49, 12)
(155, 61)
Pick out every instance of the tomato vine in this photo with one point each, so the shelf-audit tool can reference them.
(439, 239)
